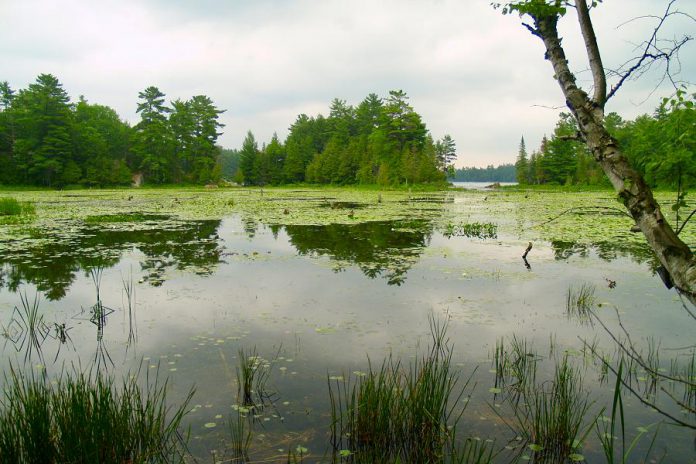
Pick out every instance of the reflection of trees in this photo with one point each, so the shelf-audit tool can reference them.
(607, 251)
(51, 263)
(384, 248)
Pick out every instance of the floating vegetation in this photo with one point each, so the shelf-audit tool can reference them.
(125, 217)
(343, 205)
(80, 418)
(15, 212)
(480, 230)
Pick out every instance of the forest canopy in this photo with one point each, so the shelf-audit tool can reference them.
(47, 140)
(381, 141)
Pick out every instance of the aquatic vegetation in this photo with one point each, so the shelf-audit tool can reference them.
(124, 217)
(253, 373)
(27, 329)
(266, 265)
(607, 431)
(240, 436)
(400, 413)
(552, 417)
(82, 418)
(471, 230)
(580, 301)
(9, 206)
(515, 367)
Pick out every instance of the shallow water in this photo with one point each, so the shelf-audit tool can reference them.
(319, 300)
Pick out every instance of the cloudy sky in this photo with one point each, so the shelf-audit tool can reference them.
(469, 71)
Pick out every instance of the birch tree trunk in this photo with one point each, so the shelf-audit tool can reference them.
(675, 255)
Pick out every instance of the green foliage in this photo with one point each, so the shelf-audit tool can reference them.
(660, 147)
(378, 142)
(536, 8)
(247, 160)
(45, 140)
(10, 207)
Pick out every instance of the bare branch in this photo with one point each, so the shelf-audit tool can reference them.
(562, 107)
(531, 29)
(652, 52)
(577, 137)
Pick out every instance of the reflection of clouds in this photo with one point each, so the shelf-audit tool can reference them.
(331, 323)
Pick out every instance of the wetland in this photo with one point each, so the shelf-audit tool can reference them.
(316, 290)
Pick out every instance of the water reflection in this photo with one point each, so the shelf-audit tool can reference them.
(383, 248)
(606, 250)
(51, 260)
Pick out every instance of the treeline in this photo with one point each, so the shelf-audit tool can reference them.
(45, 140)
(378, 142)
(502, 173)
(662, 147)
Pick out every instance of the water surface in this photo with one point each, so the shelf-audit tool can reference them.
(320, 299)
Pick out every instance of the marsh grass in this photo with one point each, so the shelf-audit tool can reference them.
(515, 365)
(608, 428)
(129, 292)
(253, 373)
(27, 329)
(240, 435)
(580, 301)
(552, 417)
(401, 413)
(11, 207)
(88, 418)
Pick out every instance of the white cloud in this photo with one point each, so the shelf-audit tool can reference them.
(470, 71)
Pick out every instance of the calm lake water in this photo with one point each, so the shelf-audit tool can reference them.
(320, 300)
(479, 185)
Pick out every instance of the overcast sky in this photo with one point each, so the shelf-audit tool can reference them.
(469, 71)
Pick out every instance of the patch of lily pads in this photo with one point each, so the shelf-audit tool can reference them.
(586, 219)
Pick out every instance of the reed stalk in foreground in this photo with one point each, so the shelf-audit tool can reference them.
(403, 414)
(551, 417)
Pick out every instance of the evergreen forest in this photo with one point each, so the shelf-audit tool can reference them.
(47, 140)
(661, 146)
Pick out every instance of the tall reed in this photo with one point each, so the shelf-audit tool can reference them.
(552, 417)
(579, 303)
(401, 413)
(86, 418)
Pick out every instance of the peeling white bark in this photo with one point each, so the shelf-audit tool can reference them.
(636, 195)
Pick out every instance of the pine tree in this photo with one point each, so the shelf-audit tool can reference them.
(248, 163)
(522, 164)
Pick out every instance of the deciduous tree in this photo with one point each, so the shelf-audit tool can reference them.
(588, 110)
